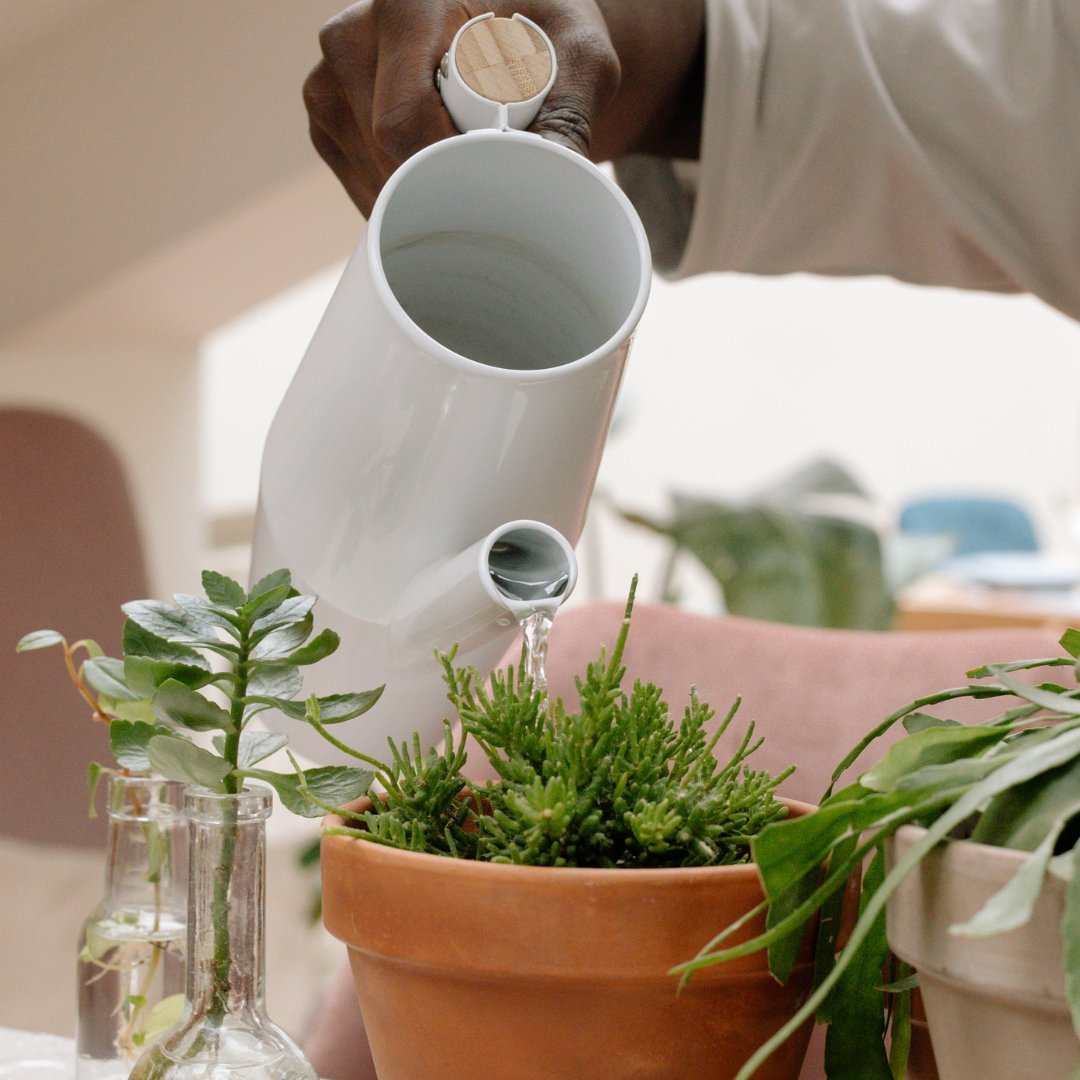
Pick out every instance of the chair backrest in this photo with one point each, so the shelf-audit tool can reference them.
(70, 555)
(975, 523)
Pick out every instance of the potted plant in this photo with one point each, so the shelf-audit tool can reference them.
(528, 927)
(972, 831)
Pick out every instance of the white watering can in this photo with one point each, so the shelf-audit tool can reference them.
(431, 463)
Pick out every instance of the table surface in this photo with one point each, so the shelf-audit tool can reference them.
(28, 1056)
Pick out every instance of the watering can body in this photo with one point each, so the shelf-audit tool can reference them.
(459, 388)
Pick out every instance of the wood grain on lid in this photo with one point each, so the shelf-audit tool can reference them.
(503, 60)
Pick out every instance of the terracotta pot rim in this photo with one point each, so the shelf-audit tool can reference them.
(566, 874)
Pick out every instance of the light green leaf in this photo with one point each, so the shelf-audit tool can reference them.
(223, 590)
(128, 741)
(162, 1016)
(275, 679)
(1012, 905)
(127, 710)
(144, 675)
(918, 721)
(175, 703)
(157, 852)
(323, 646)
(1037, 695)
(1070, 642)
(39, 639)
(266, 603)
(280, 644)
(333, 709)
(294, 609)
(254, 746)
(181, 760)
(1021, 817)
(169, 622)
(272, 582)
(140, 642)
(198, 608)
(93, 776)
(333, 785)
(106, 675)
(932, 746)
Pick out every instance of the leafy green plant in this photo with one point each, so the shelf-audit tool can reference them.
(616, 784)
(1012, 781)
(793, 552)
(162, 695)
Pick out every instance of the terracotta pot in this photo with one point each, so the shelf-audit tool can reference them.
(467, 969)
(995, 1006)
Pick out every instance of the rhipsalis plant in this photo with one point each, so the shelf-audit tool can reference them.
(616, 784)
(1013, 781)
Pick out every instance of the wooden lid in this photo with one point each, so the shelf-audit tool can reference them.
(503, 60)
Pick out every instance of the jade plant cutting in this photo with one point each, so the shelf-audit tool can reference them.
(616, 784)
(165, 694)
(1011, 781)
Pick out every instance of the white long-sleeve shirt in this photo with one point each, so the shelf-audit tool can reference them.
(937, 141)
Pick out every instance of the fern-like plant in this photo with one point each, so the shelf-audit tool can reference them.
(616, 784)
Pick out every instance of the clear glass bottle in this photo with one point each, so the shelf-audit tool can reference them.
(225, 1033)
(131, 950)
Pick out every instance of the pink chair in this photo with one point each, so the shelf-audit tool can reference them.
(70, 555)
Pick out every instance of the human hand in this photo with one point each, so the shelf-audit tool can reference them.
(624, 69)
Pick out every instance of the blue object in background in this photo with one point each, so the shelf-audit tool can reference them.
(976, 524)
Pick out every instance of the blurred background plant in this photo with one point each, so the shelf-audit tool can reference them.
(802, 550)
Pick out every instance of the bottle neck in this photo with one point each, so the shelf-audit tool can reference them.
(226, 902)
(146, 854)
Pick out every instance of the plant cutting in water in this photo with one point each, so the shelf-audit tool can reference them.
(616, 784)
(1013, 781)
(131, 948)
(156, 700)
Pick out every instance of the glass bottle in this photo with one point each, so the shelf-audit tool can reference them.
(130, 970)
(225, 1033)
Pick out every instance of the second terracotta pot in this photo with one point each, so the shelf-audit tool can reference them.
(468, 970)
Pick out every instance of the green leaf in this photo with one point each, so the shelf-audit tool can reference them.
(280, 644)
(918, 721)
(294, 609)
(127, 710)
(198, 608)
(39, 639)
(1037, 695)
(333, 785)
(264, 605)
(323, 646)
(223, 590)
(144, 675)
(783, 953)
(181, 760)
(176, 704)
(128, 741)
(93, 777)
(1021, 817)
(254, 746)
(157, 852)
(140, 642)
(275, 679)
(855, 1040)
(932, 746)
(273, 581)
(169, 622)
(1070, 940)
(333, 709)
(1070, 642)
(1012, 905)
(106, 676)
(162, 1016)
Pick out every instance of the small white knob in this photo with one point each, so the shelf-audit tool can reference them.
(497, 73)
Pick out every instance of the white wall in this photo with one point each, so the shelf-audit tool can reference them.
(735, 380)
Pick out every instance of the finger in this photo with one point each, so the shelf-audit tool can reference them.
(407, 111)
(355, 182)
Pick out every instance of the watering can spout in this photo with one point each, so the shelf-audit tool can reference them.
(472, 598)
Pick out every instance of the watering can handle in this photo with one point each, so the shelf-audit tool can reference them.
(496, 73)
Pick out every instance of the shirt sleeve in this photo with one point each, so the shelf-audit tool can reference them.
(937, 141)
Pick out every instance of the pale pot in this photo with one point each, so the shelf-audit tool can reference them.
(995, 1006)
